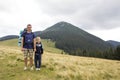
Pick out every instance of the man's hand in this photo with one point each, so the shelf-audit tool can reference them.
(22, 49)
(34, 50)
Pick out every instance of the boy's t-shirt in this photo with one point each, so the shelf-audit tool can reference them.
(28, 40)
(39, 48)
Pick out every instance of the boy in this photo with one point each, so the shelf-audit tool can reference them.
(38, 53)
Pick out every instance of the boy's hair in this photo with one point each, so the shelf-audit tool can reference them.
(38, 39)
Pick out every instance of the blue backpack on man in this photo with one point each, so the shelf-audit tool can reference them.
(20, 36)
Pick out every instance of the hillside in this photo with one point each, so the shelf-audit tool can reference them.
(48, 46)
(56, 66)
(74, 40)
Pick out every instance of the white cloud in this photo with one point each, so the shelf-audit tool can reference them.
(112, 34)
(90, 15)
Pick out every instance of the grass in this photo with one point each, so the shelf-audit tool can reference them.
(11, 42)
(48, 46)
(56, 66)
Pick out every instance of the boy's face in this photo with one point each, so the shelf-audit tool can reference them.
(38, 40)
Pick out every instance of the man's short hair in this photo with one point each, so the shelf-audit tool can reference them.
(29, 25)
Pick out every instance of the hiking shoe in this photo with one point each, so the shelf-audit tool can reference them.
(31, 68)
(38, 69)
(25, 68)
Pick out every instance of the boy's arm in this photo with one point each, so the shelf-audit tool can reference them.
(41, 49)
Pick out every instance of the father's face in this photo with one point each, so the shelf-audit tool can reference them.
(29, 28)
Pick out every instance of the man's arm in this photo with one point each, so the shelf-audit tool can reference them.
(22, 42)
(34, 44)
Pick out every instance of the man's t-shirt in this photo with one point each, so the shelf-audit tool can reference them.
(28, 41)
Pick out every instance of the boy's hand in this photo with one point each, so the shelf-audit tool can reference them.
(41, 52)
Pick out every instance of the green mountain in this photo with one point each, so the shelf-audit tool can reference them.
(74, 40)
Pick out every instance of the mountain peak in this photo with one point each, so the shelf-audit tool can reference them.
(63, 24)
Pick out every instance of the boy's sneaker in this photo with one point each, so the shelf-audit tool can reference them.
(31, 68)
(36, 69)
(25, 68)
(39, 69)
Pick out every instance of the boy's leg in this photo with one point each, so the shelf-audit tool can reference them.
(39, 61)
(35, 60)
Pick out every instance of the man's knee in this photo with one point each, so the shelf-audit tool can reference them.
(25, 58)
(31, 58)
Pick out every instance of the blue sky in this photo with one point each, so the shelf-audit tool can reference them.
(98, 17)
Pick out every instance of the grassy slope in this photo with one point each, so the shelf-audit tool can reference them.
(48, 46)
(55, 66)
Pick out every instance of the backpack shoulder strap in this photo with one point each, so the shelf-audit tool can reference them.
(24, 33)
(33, 34)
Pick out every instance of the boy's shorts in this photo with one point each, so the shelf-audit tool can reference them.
(28, 53)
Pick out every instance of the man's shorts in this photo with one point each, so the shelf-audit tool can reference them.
(28, 53)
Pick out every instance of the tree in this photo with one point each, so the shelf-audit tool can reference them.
(118, 52)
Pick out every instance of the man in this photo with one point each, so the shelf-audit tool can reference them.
(28, 46)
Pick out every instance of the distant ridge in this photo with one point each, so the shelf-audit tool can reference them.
(113, 43)
(8, 37)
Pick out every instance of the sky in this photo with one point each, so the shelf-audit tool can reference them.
(98, 17)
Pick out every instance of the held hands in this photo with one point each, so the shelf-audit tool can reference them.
(34, 50)
(22, 49)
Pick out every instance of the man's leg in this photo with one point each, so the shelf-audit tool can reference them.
(25, 58)
(31, 61)
(31, 58)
